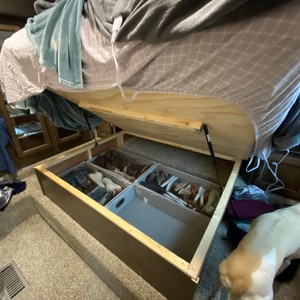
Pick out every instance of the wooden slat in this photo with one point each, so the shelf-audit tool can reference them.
(189, 136)
(203, 248)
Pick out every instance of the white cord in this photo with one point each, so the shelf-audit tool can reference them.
(116, 27)
(274, 173)
(254, 168)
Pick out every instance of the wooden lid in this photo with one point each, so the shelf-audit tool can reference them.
(174, 119)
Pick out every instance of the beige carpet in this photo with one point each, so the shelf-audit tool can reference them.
(108, 271)
(51, 268)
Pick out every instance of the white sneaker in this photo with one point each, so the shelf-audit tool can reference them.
(111, 186)
(97, 178)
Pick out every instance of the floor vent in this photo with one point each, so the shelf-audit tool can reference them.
(12, 281)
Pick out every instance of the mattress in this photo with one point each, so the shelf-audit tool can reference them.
(252, 63)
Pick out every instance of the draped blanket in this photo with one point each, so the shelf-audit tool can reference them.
(62, 112)
(55, 37)
(154, 21)
(54, 33)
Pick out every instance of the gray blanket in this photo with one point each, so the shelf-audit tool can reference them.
(287, 135)
(55, 31)
(42, 5)
(61, 111)
(156, 21)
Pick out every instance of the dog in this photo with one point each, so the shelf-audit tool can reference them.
(264, 252)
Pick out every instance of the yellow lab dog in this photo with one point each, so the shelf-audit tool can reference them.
(266, 250)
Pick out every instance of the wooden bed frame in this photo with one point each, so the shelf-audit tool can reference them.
(172, 275)
(174, 118)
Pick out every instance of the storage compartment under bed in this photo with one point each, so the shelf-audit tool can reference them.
(157, 237)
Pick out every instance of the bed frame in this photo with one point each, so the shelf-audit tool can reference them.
(174, 119)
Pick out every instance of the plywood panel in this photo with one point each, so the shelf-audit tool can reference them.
(174, 117)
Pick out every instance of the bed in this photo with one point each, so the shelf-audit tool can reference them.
(240, 78)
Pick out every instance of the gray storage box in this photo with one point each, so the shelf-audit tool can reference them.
(123, 159)
(177, 228)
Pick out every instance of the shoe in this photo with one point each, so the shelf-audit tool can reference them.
(151, 178)
(153, 187)
(98, 193)
(101, 195)
(185, 192)
(162, 177)
(179, 185)
(134, 169)
(5, 196)
(97, 177)
(106, 198)
(174, 198)
(118, 161)
(200, 193)
(171, 183)
(111, 186)
(126, 176)
(212, 202)
(100, 160)
(165, 182)
(194, 190)
(17, 187)
(75, 178)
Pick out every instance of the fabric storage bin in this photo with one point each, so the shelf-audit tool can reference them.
(177, 228)
(182, 188)
(95, 182)
(122, 163)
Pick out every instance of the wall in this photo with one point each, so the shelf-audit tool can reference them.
(16, 11)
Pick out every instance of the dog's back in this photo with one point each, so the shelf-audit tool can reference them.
(250, 269)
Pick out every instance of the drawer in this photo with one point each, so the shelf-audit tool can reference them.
(162, 241)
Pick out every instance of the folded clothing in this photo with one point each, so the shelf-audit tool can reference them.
(247, 209)
(249, 192)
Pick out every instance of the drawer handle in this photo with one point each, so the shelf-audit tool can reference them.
(120, 203)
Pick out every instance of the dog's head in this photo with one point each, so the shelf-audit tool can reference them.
(249, 277)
